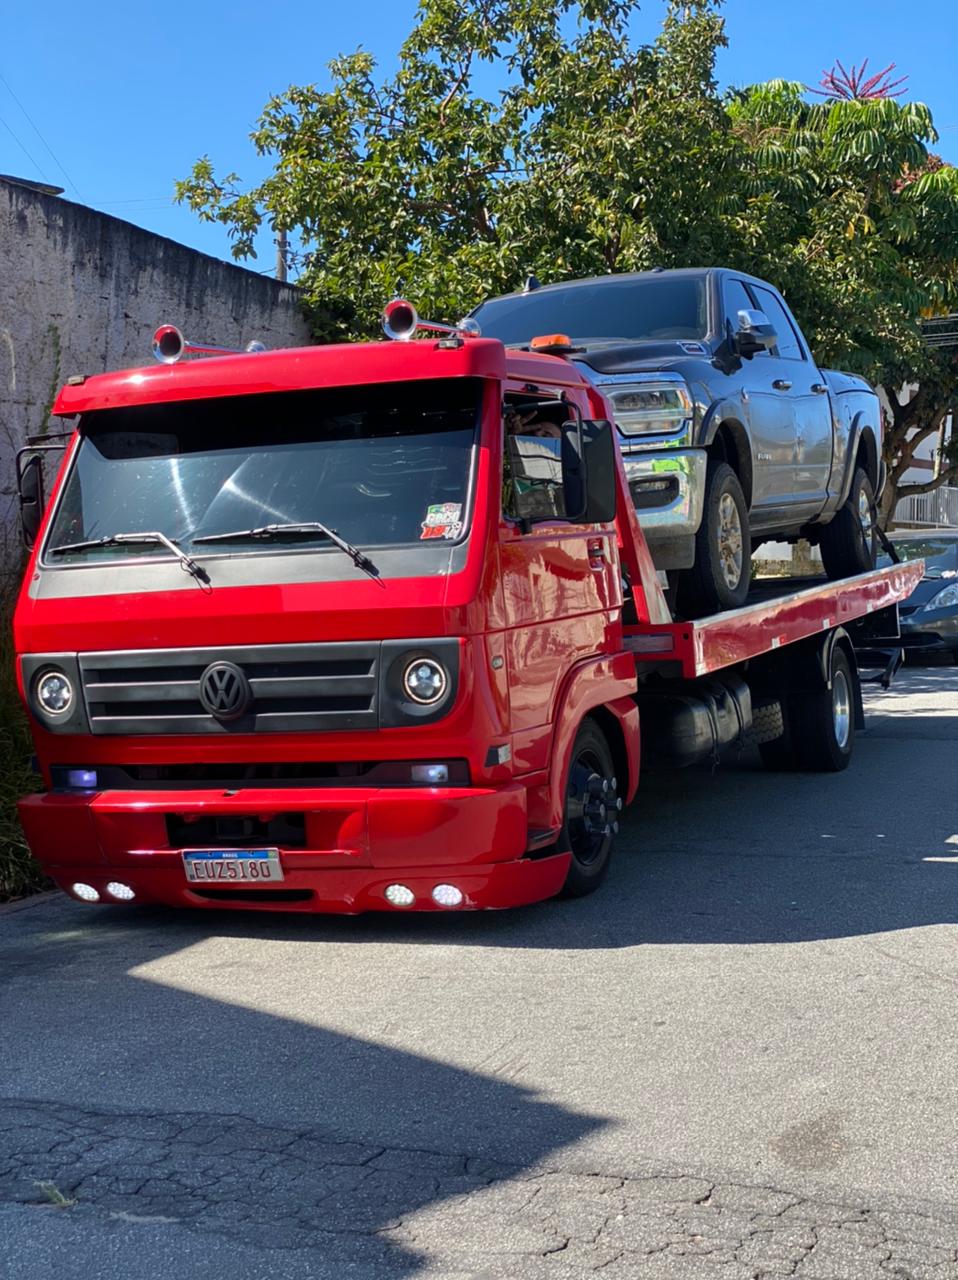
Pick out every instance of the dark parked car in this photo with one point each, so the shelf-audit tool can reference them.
(929, 617)
(731, 433)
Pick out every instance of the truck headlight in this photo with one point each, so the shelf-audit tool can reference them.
(54, 693)
(650, 408)
(425, 680)
(946, 598)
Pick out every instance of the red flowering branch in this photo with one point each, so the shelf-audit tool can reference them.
(839, 83)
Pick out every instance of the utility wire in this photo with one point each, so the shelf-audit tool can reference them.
(70, 181)
(24, 150)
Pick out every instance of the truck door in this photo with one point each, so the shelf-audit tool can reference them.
(560, 584)
(811, 408)
(771, 422)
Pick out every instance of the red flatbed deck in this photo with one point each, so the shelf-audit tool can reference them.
(770, 622)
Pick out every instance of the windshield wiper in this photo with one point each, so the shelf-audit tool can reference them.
(311, 528)
(132, 539)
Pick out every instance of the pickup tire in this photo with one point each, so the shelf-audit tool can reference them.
(719, 579)
(591, 811)
(849, 542)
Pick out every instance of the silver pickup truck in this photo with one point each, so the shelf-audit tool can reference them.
(732, 436)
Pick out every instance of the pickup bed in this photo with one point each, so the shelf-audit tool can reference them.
(730, 433)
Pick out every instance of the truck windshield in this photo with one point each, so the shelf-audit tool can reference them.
(621, 307)
(381, 465)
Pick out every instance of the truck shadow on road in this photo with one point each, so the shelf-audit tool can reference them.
(180, 1100)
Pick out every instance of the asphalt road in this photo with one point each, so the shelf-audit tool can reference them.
(739, 1059)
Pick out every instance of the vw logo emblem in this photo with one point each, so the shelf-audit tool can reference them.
(224, 691)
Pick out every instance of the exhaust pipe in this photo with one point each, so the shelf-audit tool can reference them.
(169, 346)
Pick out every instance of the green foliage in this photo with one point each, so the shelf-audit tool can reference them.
(599, 155)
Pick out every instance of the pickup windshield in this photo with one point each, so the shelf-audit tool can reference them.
(375, 464)
(620, 308)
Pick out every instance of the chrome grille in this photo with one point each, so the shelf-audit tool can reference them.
(295, 687)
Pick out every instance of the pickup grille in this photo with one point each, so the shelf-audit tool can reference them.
(296, 687)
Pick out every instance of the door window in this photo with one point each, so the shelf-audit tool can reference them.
(532, 486)
(789, 348)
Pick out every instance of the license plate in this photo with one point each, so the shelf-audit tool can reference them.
(231, 866)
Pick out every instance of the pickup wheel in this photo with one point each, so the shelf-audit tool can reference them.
(719, 579)
(849, 542)
(591, 811)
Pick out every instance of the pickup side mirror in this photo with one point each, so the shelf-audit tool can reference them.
(755, 333)
(588, 471)
(30, 489)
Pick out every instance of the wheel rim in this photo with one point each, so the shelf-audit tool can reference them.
(841, 709)
(730, 541)
(865, 515)
(591, 807)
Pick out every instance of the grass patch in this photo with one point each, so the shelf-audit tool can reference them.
(19, 874)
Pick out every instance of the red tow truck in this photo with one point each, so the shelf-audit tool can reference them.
(375, 627)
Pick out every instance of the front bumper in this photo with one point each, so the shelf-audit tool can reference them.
(668, 489)
(932, 632)
(356, 842)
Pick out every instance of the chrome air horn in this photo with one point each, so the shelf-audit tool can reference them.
(169, 345)
(401, 320)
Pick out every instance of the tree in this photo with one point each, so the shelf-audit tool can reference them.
(864, 241)
(597, 154)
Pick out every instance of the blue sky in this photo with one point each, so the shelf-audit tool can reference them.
(126, 101)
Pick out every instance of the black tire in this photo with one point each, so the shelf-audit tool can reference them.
(591, 811)
(778, 756)
(711, 584)
(822, 723)
(849, 543)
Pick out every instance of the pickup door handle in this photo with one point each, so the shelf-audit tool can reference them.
(782, 384)
(819, 388)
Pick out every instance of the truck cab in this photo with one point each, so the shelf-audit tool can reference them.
(338, 628)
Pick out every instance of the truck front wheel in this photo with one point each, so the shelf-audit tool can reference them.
(592, 808)
(849, 542)
(719, 579)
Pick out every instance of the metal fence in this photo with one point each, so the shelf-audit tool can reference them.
(920, 510)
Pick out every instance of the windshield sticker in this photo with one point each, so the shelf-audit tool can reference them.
(443, 520)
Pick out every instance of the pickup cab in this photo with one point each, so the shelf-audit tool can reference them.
(731, 434)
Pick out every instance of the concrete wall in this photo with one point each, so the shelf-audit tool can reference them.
(81, 292)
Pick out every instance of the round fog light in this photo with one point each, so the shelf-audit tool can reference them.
(85, 892)
(400, 895)
(122, 892)
(424, 680)
(54, 693)
(446, 895)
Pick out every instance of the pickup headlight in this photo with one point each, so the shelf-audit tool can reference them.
(650, 408)
(946, 598)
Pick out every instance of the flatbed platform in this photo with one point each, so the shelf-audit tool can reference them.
(779, 612)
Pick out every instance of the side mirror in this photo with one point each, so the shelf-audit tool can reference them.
(588, 471)
(30, 488)
(755, 333)
(600, 469)
(574, 484)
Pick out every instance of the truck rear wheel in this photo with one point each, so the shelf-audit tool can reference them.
(849, 543)
(719, 579)
(592, 807)
(819, 724)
